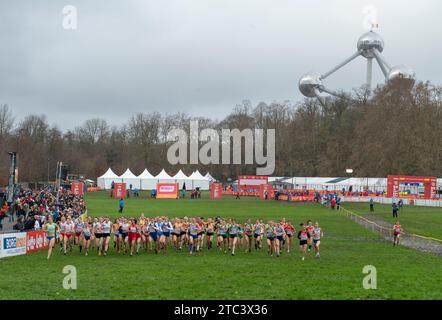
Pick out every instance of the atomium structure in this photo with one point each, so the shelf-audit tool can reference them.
(370, 46)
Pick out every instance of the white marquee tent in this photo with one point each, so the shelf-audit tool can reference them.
(198, 180)
(105, 181)
(181, 178)
(164, 177)
(208, 176)
(130, 179)
(148, 181)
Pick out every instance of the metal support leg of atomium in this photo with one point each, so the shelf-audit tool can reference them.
(370, 46)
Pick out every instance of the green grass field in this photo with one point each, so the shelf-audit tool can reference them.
(402, 273)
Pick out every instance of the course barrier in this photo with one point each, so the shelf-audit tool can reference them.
(20, 243)
(406, 201)
(411, 240)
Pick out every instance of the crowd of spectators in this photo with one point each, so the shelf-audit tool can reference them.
(31, 208)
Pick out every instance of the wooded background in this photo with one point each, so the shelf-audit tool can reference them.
(397, 131)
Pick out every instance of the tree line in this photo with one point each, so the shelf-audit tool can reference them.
(395, 131)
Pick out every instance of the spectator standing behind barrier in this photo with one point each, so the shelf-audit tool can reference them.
(121, 203)
(395, 209)
(371, 205)
(400, 204)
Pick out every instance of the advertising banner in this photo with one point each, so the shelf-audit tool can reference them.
(35, 241)
(266, 188)
(120, 190)
(77, 188)
(13, 244)
(167, 190)
(253, 182)
(419, 187)
(216, 191)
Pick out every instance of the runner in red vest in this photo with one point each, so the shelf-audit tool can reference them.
(396, 233)
(310, 228)
(303, 237)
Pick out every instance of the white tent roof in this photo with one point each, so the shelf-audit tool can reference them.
(145, 175)
(128, 175)
(163, 175)
(180, 175)
(109, 174)
(208, 176)
(196, 175)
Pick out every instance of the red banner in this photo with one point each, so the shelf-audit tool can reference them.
(266, 188)
(251, 182)
(216, 191)
(35, 241)
(119, 190)
(420, 187)
(167, 190)
(77, 188)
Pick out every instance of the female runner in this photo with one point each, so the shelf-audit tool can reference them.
(257, 234)
(106, 230)
(233, 235)
(210, 228)
(69, 229)
(153, 235)
(396, 233)
(289, 232)
(124, 231)
(279, 237)
(96, 226)
(78, 231)
(193, 235)
(317, 235)
(270, 235)
(86, 237)
(303, 237)
(176, 233)
(116, 232)
(51, 228)
(248, 232)
(133, 231)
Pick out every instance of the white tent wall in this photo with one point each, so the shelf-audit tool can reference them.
(164, 177)
(130, 179)
(147, 180)
(105, 181)
(148, 184)
(135, 182)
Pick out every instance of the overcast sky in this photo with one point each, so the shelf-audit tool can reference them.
(196, 56)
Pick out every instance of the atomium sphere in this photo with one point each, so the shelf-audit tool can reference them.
(369, 41)
(308, 83)
(404, 73)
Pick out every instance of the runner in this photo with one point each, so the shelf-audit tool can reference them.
(310, 229)
(289, 232)
(396, 233)
(210, 228)
(233, 234)
(193, 235)
(270, 235)
(86, 231)
(133, 231)
(303, 237)
(257, 234)
(78, 232)
(51, 228)
(248, 233)
(69, 232)
(106, 231)
(317, 235)
(279, 237)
